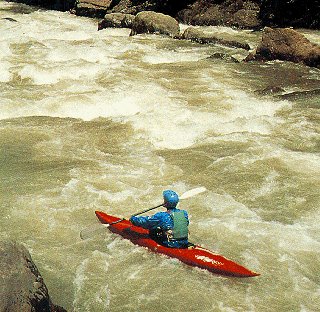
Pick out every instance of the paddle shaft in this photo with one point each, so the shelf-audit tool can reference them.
(136, 214)
(141, 212)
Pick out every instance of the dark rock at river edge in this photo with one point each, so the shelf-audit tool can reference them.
(237, 13)
(22, 288)
(287, 45)
(168, 7)
(116, 20)
(92, 8)
(152, 22)
(197, 35)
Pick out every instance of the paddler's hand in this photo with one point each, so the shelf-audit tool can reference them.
(134, 220)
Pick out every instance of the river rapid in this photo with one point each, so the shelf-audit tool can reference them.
(102, 121)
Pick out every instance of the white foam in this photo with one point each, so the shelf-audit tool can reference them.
(172, 124)
(79, 56)
(5, 54)
(5, 74)
(98, 52)
(5, 50)
(45, 75)
(87, 281)
(301, 162)
(166, 56)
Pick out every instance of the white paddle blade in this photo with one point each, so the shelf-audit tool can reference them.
(193, 192)
(93, 230)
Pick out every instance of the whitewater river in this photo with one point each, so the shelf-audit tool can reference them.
(102, 121)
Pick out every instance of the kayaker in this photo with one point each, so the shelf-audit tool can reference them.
(168, 228)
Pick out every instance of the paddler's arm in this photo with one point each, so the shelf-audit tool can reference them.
(145, 222)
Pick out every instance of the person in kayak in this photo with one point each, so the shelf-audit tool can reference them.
(168, 228)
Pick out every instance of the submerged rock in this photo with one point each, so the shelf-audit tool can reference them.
(21, 285)
(152, 22)
(223, 57)
(287, 45)
(194, 34)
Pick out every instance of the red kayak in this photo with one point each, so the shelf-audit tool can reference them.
(194, 255)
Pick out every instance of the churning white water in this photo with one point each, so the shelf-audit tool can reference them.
(97, 120)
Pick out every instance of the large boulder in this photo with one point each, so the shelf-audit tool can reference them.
(92, 8)
(237, 13)
(152, 22)
(21, 286)
(247, 19)
(116, 20)
(197, 35)
(288, 45)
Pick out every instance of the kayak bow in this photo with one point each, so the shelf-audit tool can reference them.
(194, 255)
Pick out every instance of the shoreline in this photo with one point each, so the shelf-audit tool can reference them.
(247, 14)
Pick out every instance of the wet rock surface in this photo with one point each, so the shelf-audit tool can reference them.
(197, 35)
(92, 8)
(22, 287)
(116, 20)
(287, 45)
(152, 22)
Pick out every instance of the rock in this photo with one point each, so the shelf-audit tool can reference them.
(194, 34)
(287, 45)
(135, 6)
(125, 7)
(223, 57)
(92, 8)
(21, 286)
(300, 95)
(270, 90)
(116, 20)
(152, 22)
(252, 14)
(214, 15)
(238, 13)
(9, 19)
(247, 19)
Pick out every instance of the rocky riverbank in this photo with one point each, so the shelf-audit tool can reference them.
(22, 286)
(248, 14)
(163, 17)
(276, 44)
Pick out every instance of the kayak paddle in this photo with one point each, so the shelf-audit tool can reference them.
(98, 227)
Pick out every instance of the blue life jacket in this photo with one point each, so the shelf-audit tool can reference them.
(168, 228)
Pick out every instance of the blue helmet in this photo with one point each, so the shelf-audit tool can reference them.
(171, 199)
